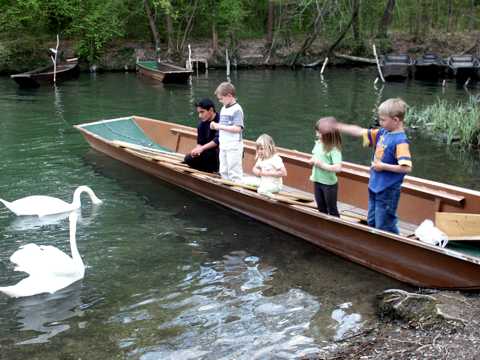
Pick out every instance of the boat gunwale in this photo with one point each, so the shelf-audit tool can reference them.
(179, 69)
(41, 71)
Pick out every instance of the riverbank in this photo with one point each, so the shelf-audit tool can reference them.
(435, 325)
(120, 55)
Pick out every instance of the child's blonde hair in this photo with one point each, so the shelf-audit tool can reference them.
(395, 107)
(225, 88)
(268, 145)
(331, 139)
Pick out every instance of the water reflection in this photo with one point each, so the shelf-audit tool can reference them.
(46, 313)
(23, 223)
(345, 321)
(228, 316)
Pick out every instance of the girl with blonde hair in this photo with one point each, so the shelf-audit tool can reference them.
(268, 167)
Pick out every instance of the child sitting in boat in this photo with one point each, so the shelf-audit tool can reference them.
(391, 161)
(327, 161)
(268, 168)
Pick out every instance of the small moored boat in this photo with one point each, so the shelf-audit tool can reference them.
(396, 66)
(45, 75)
(164, 72)
(463, 67)
(157, 148)
(430, 67)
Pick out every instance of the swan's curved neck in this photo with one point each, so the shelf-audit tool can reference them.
(73, 239)
(78, 191)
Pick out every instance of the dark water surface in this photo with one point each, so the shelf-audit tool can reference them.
(170, 275)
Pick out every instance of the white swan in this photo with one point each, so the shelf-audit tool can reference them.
(49, 268)
(46, 205)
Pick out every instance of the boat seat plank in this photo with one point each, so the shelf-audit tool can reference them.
(417, 190)
(183, 132)
(447, 197)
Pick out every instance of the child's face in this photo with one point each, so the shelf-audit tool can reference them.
(205, 115)
(260, 151)
(389, 123)
(226, 99)
(318, 134)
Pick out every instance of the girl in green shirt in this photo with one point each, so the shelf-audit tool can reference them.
(327, 161)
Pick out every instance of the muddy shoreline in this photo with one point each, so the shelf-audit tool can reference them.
(121, 55)
(427, 324)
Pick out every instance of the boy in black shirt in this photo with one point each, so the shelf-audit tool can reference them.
(204, 156)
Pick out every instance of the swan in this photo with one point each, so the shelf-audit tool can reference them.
(49, 268)
(46, 205)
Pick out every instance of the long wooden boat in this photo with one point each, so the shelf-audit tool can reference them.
(155, 147)
(45, 75)
(463, 67)
(430, 67)
(164, 72)
(396, 66)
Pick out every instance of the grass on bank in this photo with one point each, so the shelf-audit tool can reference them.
(453, 123)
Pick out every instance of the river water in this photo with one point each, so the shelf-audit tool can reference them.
(170, 275)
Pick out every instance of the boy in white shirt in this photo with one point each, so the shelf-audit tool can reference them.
(230, 129)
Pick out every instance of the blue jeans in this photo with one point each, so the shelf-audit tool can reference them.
(382, 208)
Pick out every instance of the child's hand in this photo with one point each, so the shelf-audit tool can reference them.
(326, 125)
(213, 125)
(377, 165)
(316, 162)
(196, 151)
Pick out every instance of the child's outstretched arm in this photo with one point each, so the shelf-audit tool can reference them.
(329, 124)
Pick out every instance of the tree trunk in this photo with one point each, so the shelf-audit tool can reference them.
(270, 20)
(321, 12)
(214, 38)
(188, 27)
(471, 23)
(170, 35)
(344, 32)
(356, 23)
(386, 19)
(449, 17)
(153, 28)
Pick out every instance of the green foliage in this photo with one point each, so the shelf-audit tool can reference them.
(94, 24)
(455, 123)
(97, 24)
(21, 54)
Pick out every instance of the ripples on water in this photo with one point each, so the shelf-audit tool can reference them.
(170, 275)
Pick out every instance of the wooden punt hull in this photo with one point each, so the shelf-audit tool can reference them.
(463, 67)
(430, 67)
(163, 72)
(44, 75)
(396, 67)
(400, 257)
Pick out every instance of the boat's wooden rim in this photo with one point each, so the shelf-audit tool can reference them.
(60, 69)
(175, 69)
(278, 202)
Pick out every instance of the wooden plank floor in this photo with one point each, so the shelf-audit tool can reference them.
(351, 212)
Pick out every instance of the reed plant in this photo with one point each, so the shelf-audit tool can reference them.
(454, 123)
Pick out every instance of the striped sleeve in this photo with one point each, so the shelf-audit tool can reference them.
(370, 137)
(403, 154)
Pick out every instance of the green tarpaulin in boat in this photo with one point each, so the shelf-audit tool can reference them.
(149, 64)
(123, 129)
